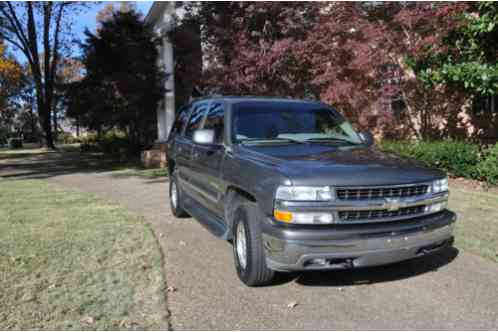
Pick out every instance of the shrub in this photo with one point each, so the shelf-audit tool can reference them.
(456, 158)
(488, 167)
(4, 135)
(89, 143)
(14, 143)
(65, 137)
(115, 143)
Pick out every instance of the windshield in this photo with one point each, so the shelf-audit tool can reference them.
(260, 122)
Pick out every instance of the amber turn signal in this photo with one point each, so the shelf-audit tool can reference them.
(283, 216)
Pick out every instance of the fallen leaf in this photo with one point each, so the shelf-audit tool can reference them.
(291, 305)
(127, 323)
(87, 320)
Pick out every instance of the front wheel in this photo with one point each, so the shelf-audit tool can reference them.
(248, 251)
(175, 199)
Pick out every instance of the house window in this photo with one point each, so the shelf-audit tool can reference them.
(483, 105)
(398, 107)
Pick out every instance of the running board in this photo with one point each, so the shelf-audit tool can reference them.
(206, 218)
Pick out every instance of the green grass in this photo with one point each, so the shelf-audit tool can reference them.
(477, 223)
(69, 261)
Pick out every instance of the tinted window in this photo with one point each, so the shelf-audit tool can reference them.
(215, 120)
(180, 121)
(195, 120)
(253, 121)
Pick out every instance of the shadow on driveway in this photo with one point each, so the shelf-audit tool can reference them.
(49, 164)
(372, 275)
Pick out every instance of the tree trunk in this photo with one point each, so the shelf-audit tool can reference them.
(55, 125)
(46, 124)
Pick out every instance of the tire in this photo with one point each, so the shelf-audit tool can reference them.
(176, 204)
(252, 270)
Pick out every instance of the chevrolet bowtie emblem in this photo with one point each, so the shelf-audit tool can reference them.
(392, 204)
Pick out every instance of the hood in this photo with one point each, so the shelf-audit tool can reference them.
(322, 164)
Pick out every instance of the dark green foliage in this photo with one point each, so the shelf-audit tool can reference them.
(123, 84)
(470, 60)
(114, 143)
(488, 167)
(14, 143)
(456, 158)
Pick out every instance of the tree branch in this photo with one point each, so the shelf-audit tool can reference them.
(47, 16)
(15, 22)
(55, 57)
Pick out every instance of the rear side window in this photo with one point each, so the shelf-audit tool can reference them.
(195, 120)
(181, 120)
(215, 121)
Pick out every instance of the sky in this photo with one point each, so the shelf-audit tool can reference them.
(87, 20)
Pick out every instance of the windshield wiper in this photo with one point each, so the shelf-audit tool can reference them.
(330, 139)
(271, 140)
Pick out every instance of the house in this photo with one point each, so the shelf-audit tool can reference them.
(180, 57)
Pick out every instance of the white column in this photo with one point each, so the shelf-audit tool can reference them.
(169, 98)
(166, 109)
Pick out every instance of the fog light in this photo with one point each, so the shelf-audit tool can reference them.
(436, 207)
(317, 261)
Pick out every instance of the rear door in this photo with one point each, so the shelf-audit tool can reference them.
(207, 159)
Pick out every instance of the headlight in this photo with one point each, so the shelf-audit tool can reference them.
(440, 186)
(291, 193)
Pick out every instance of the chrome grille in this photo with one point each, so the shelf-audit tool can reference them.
(368, 215)
(381, 192)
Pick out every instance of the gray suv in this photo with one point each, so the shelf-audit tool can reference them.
(294, 187)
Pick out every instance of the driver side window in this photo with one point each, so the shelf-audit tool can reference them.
(215, 121)
(195, 121)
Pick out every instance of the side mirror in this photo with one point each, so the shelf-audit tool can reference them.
(367, 138)
(204, 136)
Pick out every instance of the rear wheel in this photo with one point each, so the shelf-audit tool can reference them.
(249, 255)
(175, 198)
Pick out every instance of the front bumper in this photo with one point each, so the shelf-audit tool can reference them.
(294, 249)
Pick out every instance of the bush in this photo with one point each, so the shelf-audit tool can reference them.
(14, 143)
(115, 143)
(488, 167)
(456, 158)
(64, 137)
(4, 135)
(88, 143)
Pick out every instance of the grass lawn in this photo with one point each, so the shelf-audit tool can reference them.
(477, 223)
(71, 261)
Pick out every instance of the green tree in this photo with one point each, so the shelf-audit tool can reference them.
(469, 60)
(122, 84)
(40, 31)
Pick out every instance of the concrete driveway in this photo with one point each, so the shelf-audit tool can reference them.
(451, 290)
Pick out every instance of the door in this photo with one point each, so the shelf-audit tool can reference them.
(207, 160)
(178, 149)
(190, 180)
